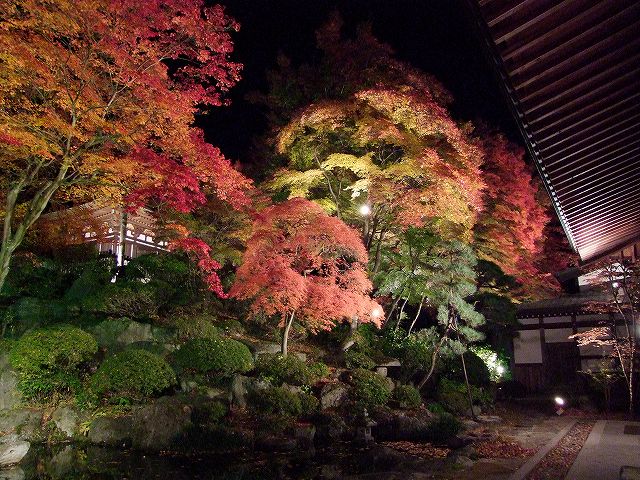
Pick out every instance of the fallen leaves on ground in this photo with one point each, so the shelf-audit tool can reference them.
(499, 447)
(557, 462)
(423, 450)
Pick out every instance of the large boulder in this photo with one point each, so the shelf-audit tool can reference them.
(156, 426)
(25, 422)
(67, 420)
(136, 332)
(12, 473)
(12, 449)
(9, 395)
(159, 425)
(111, 431)
(259, 347)
(242, 387)
(333, 395)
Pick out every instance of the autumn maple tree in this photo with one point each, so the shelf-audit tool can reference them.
(617, 336)
(396, 151)
(98, 100)
(302, 264)
(510, 231)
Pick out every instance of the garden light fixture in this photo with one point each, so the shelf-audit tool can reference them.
(365, 210)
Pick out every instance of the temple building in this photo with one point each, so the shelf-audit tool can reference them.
(125, 235)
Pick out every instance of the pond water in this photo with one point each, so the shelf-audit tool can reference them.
(73, 462)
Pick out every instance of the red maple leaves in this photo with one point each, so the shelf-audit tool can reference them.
(300, 260)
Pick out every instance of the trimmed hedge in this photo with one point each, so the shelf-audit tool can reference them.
(369, 388)
(217, 355)
(278, 401)
(133, 373)
(48, 359)
(290, 369)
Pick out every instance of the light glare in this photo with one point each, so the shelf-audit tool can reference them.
(365, 210)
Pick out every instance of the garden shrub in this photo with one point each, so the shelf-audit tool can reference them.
(31, 312)
(136, 301)
(171, 276)
(279, 369)
(416, 350)
(195, 326)
(309, 403)
(133, 374)
(94, 277)
(48, 359)
(442, 428)
(278, 401)
(218, 355)
(477, 370)
(454, 397)
(407, 396)
(217, 411)
(318, 370)
(435, 407)
(369, 388)
(355, 358)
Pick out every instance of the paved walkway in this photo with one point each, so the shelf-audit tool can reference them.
(606, 450)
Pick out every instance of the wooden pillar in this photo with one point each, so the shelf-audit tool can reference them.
(543, 351)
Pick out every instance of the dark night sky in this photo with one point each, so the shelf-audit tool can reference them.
(436, 36)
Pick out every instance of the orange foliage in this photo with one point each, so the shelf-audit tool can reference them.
(511, 230)
(300, 260)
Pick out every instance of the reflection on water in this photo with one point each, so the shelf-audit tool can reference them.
(72, 462)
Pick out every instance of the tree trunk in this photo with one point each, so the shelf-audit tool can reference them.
(400, 314)
(434, 358)
(285, 335)
(631, 372)
(5, 262)
(466, 380)
(122, 234)
(415, 319)
(12, 236)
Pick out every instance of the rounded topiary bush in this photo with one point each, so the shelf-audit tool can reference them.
(407, 396)
(48, 359)
(369, 388)
(217, 355)
(133, 373)
(278, 401)
(279, 369)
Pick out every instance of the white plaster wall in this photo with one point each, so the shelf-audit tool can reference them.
(528, 321)
(558, 319)
(527, 348)
(557, 335)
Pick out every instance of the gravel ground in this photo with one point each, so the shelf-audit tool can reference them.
(558, 461)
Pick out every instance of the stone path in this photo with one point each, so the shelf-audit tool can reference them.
(533, 431)
(611, 445)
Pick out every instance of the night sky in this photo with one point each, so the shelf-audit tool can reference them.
(436, 36)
